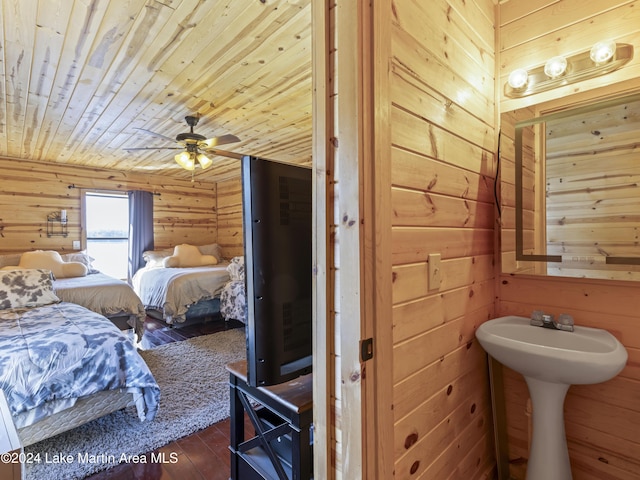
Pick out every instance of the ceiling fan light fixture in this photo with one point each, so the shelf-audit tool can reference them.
(203, 160)
(185, 160)
(193, 144)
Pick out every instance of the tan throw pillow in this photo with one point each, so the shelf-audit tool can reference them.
(186, 256)
(52, 261)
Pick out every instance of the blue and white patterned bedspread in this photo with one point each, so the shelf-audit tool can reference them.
(62, 352)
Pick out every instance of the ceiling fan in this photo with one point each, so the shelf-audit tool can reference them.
(193, 145)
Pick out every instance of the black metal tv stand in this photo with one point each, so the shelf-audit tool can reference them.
(282, 417)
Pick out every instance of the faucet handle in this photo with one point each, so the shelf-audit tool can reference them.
(565, 322)
(537, 318)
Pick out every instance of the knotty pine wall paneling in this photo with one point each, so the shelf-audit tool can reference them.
(442, 113)
(184, 212)
(229, 210)
(602, 421)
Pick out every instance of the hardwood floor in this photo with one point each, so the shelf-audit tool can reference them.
(204, 455)
(157, 332)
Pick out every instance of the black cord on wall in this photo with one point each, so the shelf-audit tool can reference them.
(495, 180)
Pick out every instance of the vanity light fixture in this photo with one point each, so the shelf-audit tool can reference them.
(518, 78)
(555, 67)
(602, 52)
(604, 57)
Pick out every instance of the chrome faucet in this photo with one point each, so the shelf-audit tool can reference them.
(541, 319)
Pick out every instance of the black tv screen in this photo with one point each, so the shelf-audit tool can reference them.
(277, 222)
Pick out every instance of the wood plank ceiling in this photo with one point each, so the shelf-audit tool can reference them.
(82, 80)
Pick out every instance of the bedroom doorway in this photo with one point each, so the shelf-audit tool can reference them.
(106, 231)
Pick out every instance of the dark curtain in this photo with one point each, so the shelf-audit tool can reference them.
(140, 229)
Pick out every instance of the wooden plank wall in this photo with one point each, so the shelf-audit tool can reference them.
(184, 212)
(324, 462)
(442, 121)
(229, 209)
(602, 421)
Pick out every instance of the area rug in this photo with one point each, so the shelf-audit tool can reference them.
(194, 394)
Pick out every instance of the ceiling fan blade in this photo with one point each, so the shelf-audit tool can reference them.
(154, 148)
(224, 153)
(221, 140)
(159, 135)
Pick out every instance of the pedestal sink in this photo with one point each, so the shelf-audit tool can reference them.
(551, 361)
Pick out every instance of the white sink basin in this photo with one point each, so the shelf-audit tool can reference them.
(584, 356)
(551, 361)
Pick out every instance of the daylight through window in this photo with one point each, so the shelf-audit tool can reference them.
(107, 231)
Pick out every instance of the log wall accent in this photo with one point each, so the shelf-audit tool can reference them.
(442, 168)
(184, 212)
(602, 421)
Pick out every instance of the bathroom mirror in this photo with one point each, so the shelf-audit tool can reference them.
(570, 190)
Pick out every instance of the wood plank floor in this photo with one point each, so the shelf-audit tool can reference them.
(204, 455)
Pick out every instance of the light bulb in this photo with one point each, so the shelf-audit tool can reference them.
(602, 52)
(203, 160)
(555, 67)
(185, 161)
(518, 78)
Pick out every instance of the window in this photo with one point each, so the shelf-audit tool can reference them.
(107, 231)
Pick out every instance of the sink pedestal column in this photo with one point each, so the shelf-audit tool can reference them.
(549, 457)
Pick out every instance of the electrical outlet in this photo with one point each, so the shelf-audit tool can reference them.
(76, 244)
(435, 271)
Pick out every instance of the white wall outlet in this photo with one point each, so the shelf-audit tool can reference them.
(435, 271)
(76, 244)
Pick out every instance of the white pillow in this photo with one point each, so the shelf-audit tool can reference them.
(154, 258)
(80, 257)
(212, 249)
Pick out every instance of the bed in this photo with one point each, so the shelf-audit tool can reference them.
(182, 283)
(61, 364)
(109, 296)
(176, 295)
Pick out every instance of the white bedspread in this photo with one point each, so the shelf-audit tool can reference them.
(174, 290)
(100, 293)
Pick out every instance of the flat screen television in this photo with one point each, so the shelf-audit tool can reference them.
(277, 224)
